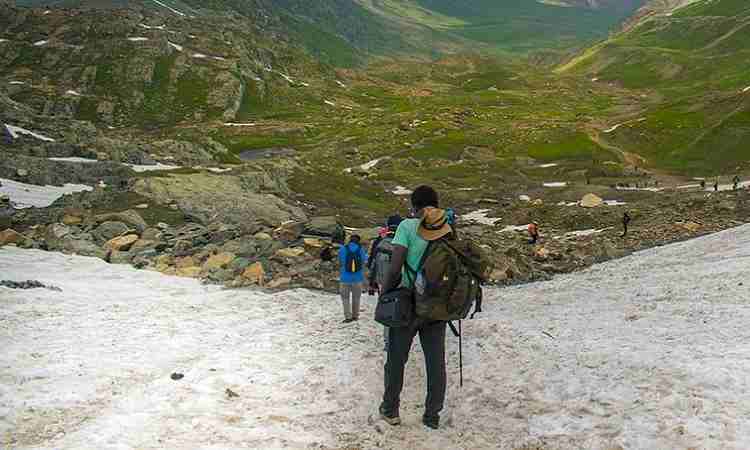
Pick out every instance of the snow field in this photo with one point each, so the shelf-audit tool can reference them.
(647, 352)
(30, 195)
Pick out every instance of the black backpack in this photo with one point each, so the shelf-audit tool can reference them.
(353, 260)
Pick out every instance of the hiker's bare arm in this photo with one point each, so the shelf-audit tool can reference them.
(397, 263)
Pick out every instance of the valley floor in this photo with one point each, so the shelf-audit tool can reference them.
(648, 352)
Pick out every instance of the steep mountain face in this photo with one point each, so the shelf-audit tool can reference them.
(696, 59)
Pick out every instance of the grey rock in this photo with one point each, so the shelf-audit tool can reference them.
(109, 230)
(321, 226)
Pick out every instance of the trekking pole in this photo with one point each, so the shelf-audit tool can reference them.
(460, 357)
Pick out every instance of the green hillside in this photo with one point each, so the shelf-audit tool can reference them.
(696, 61)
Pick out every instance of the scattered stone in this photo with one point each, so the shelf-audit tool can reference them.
(591, 201)
(321, 226)
(231, 394)
(10, 236)
(142, 206)
(239, 265)
(129, 217)
(70, 219)
(692, 227)
(122, 243)
(293, 252)
(184, 262)
(189, 272)
(29, 284)
(110, 230)
(263, 236)
(313, 243)
(219, 261)
(524, 198)
(290, 231)
(177, 376)
(279, 283)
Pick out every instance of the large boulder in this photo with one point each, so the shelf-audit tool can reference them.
(219, 261)
(591, 201)
(10, 237)
(321, 226)
(122, 243)
(55, 234)
(129, 217)
(110, 230)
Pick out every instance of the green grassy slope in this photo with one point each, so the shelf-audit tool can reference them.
(697, 61)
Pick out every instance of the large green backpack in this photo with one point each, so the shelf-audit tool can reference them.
(449, 279)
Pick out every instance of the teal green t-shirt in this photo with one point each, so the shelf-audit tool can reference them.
(406, 236)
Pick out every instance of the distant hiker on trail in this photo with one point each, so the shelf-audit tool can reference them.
(353, 259)
(736, 182)
(409, 246)
(716, 186)
(339, 234)
(703, 184)
(625, 222)
(380, 262)
(533, 233)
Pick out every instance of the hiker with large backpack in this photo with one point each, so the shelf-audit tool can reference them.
(352, 258)
(440, 278)
(380, 261)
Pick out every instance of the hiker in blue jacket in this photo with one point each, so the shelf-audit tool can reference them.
(353, 260)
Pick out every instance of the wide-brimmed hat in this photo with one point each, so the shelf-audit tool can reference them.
(434, 224)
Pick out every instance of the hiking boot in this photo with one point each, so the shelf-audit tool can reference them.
(392, 420)
(348, 320)
(431, 422)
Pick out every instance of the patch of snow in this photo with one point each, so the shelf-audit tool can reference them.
(199, 55)
(73, 93)
(368, 165)
(169, 8)
(192, 36)
(555, 184)
(480, 217)
(668, 352)
(177, 47)
(648, 189)
(594, 80)
(689, 186)
(614, 203)
(16, 131)
(304, 84)
(256, 78)
(268, 69)
(152, 167)
(137, 39)
(214, 169)
(609, 130)
(234, 124)
(75, 159)
(40, 43)
(514, 228)
(547, 166)
(564, 203)
(47, 12)
(524, 198)
(286, 77)
(149, 27)
(17, 83)
(467, 189)
(401, 190)
(341, 84)
(3, 40)
(329, 103)
(219, 58)
(583, 233)
(746, 89)
(24, 195)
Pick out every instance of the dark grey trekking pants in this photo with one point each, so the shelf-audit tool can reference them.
(432, 339)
